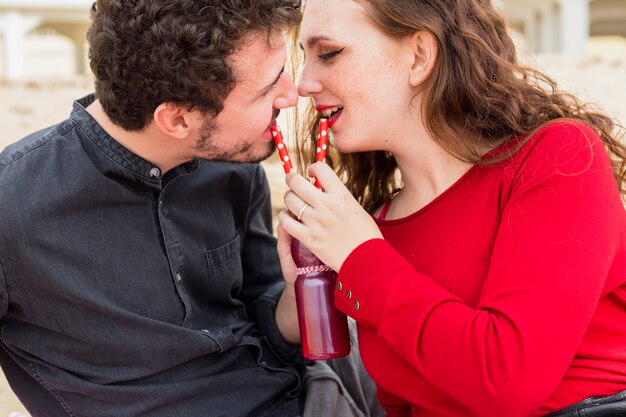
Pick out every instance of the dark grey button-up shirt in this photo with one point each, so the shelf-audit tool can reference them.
(125, 292)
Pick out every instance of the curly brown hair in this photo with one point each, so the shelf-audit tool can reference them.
(477, 97)
(147, 52)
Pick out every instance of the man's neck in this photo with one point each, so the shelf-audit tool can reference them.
(148, 143)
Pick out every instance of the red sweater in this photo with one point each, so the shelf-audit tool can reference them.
(506, 295)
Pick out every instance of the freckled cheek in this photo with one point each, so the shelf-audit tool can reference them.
(360, 103)
(340, 79)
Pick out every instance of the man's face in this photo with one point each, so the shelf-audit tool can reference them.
(241, 131)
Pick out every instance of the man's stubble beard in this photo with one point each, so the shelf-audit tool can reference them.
(207, 148)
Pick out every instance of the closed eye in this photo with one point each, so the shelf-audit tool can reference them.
(268, 90)
(270, 87)
(331, 54)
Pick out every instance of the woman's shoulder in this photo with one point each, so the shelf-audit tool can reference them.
(565, 146)
(566, 132)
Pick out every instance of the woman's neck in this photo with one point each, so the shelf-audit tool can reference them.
(427, 171)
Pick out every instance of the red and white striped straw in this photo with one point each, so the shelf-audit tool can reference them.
(282, 148)
(322, 145)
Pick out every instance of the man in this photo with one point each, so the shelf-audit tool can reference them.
(138, 272)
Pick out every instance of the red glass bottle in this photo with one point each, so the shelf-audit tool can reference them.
(323, 328)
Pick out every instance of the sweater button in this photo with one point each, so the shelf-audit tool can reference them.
(339, 286)
(349, 295)
(357, 305)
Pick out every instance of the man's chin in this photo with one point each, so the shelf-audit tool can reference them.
(246, 157)
(267, 155)
(256, 158)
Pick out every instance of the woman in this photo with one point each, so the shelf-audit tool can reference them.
(482, 254)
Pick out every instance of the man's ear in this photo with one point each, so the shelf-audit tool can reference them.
(174, 120)
(424, 49)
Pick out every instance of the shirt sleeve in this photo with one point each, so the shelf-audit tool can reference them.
(560, 231)
(4, 294)
(263, 279)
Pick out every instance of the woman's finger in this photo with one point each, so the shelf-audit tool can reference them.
(295, 204)
(291, 225)
(327, 177)
(303, 188)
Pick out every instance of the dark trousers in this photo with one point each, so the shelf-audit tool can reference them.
(341, 387)
(611, 406)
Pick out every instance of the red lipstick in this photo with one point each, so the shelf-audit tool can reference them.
(335, 116)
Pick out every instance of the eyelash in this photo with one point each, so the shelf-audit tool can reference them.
(330, 55)
(269, 90)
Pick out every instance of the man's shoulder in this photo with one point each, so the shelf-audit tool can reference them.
(27, 151)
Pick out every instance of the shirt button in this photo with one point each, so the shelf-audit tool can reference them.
(155, 172)
(339, 286)
(179, 278)
(357, 305)
(349, 295)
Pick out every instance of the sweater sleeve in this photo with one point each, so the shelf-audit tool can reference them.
(394, 407)
(554, 247)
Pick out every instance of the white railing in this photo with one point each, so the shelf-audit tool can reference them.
(19, 17)
(550, 26)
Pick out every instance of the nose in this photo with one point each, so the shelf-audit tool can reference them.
(308, 84)
(289, 93)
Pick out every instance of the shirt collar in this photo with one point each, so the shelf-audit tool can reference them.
(118, 161)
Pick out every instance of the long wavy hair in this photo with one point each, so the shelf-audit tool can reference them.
(478, 96)
(147, 52)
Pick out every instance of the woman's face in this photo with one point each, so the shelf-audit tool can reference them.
(356, 75)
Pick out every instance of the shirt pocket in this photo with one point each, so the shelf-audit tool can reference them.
(225, 278)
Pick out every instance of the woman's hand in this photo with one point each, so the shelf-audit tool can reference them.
(333, 224)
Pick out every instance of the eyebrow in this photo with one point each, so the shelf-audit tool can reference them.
(273, 83)
(314, 40)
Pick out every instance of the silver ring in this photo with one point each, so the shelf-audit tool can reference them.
(301, 212)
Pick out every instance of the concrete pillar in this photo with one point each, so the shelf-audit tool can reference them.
(79, 55)
(77, 34)
(575, 26)
(16, 26)
(556, 27)
(530, 29)
(547, 30)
